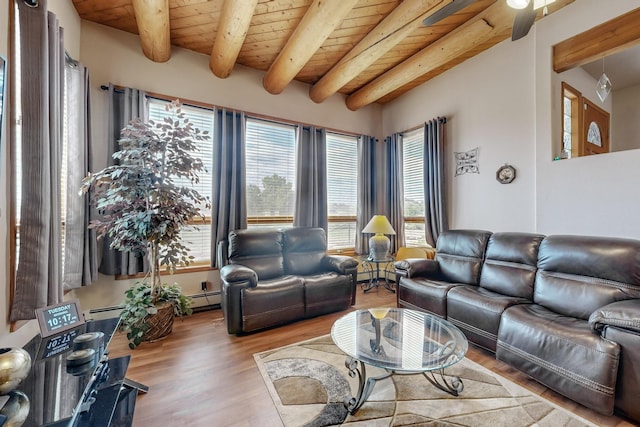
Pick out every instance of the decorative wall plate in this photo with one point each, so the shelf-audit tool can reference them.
(506, 174)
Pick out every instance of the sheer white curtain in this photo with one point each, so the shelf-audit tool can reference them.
(80, 244)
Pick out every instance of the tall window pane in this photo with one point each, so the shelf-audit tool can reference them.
(271, 173)
(413, 172)
(342, 187)
(198, 237)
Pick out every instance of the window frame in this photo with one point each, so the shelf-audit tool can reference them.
(575, 116)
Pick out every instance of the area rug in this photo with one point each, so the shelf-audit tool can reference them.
(308, 382)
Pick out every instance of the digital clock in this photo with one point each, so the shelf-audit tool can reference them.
(60, 317)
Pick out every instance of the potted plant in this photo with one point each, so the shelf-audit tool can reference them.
(146, 199)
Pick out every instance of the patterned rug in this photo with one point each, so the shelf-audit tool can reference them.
(308, 382)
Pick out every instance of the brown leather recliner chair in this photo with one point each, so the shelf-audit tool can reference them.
(271, 277)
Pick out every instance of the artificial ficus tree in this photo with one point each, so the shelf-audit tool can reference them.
(146, 198)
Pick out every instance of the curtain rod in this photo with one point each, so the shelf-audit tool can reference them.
(278, 120)
(442, 120)
(72, 62)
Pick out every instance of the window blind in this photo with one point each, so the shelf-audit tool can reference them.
(270, 150)
(198, 236)
(413, 185)
(342, 188)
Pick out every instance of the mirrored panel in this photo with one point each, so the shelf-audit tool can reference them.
(615, 120)
(595, 102)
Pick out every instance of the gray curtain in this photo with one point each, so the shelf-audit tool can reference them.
(80, 245)
(394, 194)
(228, 196)
(434, 189)
(125, 105)
(311, 178)
(38, 279)
(366, 189)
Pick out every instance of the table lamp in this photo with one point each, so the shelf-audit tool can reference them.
(379, 243)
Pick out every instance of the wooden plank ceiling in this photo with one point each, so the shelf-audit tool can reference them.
(369, 50)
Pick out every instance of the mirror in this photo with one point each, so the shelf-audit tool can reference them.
(579, 63)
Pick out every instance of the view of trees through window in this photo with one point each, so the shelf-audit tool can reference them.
(270, 171)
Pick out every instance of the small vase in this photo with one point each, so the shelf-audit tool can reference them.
(16, 409)
(15, 364)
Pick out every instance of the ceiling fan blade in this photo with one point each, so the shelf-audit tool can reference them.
(523, 22)
(446, 11)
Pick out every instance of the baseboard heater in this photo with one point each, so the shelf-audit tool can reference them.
(202, 298)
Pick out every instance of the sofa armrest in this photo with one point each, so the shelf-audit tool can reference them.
(340, 263)
(235, 273)
(414, 267)
(235, 278)
(622, 314)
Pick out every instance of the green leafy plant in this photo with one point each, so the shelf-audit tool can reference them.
(145, 200)
(139, 304)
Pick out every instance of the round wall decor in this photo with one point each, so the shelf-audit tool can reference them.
(506, 174)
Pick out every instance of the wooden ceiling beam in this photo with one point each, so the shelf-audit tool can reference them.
(605, 39)
(152, 18)
(441, 52)
(322, 17)
(494, 23)
(397, 26)
(234, 25)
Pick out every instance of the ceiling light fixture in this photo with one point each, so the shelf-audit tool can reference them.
(518, 4)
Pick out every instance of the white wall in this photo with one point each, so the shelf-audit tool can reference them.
(488, 102)
(594, 195)
(625, 120)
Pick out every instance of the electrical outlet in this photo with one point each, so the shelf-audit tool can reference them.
(203, 286)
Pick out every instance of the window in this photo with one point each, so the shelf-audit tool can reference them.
(198, 237)
(342, 190)
(271, 173)
(413, 185)
(570, 121)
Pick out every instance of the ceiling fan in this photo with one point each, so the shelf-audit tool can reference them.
(525, 17)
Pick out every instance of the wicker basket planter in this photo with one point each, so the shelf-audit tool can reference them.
(160, 324)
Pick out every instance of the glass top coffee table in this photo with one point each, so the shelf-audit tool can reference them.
(400, 341)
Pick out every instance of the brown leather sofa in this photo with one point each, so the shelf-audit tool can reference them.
(271, 277)
(565, 310)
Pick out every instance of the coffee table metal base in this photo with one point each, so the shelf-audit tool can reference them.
(453, 386)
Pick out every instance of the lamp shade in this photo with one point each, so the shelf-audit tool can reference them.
(379, 244)
(379, 224)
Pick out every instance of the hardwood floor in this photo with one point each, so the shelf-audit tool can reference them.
(201, 376)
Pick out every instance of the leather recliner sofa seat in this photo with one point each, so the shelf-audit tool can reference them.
(271, 277)
(565, 310)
